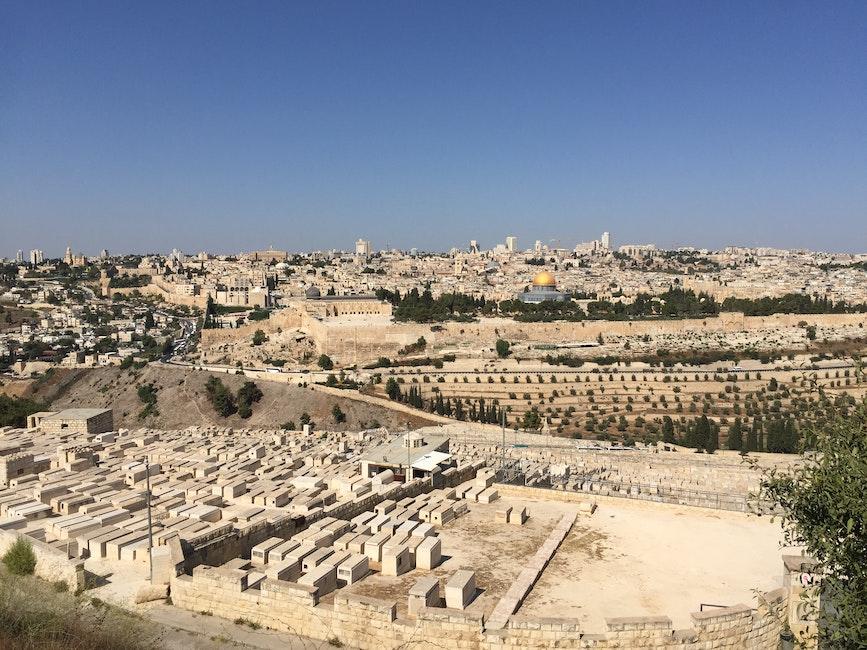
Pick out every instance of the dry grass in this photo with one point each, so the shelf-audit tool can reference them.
(34, 614)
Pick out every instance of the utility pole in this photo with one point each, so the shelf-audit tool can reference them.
(408, 455)
(150, 525)
(503, 451)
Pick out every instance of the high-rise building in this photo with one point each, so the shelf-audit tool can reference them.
(19, 256)
(68, 256)
(104, 254)
(36, 257)
(606, 241)
(362, 247)
(474, 246)
(511, 243)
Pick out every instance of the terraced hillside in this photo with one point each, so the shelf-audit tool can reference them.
(625, 402)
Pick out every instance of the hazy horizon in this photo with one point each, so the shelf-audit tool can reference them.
(228, 127)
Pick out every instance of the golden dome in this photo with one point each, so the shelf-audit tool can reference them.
(544, 279)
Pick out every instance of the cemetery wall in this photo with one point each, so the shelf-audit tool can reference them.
(371, 623)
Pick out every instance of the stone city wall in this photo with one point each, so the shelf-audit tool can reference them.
(369, 339)
(51, 563)
(371, 623)
(362, 340)
(281, 319)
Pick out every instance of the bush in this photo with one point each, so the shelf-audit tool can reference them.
(20, 560)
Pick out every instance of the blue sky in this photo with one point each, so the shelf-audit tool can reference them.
(228, 126)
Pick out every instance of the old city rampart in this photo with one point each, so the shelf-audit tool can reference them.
(363, 339)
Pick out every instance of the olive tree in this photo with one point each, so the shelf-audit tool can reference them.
(822, 507)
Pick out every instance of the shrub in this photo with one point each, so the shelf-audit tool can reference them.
(20, 560)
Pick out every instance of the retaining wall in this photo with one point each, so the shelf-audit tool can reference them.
(371, 623)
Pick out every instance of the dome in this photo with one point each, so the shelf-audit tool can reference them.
(544, 279)
(312, 292)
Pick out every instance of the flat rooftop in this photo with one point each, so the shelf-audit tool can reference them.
(76, 414)
(395, 453)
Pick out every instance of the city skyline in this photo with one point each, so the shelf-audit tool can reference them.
(523, 246)
(138, 128)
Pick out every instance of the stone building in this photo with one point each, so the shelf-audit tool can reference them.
(543, 288)
(79, 420)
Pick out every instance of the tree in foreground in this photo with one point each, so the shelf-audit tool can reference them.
(20, 560)
(823, 509)
(325, 362)
(502, 348)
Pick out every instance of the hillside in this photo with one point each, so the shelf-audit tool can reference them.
(182, 401)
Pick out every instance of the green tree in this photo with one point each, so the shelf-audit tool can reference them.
(20, 560)
(736, 436)
(14, 410)
(751, 442)
(502, 348)
(668, 430)
(325, 362)
(259, 337)
(531, 421)
(824, 510)
(221, 398)
(338, 415)
(392, 389)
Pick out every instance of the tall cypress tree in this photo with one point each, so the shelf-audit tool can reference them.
(735, 436)
(752, 443)
(712, 437)
(760, 434)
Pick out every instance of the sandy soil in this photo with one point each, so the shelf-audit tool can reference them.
(639, 560)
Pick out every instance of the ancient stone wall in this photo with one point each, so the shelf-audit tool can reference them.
(365, 339)
(282, 319)
(368, 339)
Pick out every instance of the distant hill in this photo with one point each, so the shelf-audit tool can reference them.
(182, 401)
